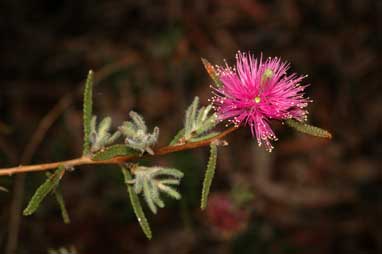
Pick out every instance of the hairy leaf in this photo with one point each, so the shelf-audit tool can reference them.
(61, 203)
(170, 181)
(197, 122)
(147, 193)
(177, 137)
(209, 175)
(169, 191)
(44, 190)
(190, 117)
(212, 72)
(155, 195)
(138, 120)
(205, 137)
(308, 129)
(137, 207)
(87, 111)
(207, 124)
(169, 172)
(113, 151)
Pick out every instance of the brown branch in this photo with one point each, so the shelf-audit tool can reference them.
(116, 160)
(49, 119)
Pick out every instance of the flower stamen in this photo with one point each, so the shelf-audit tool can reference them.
(257, 99)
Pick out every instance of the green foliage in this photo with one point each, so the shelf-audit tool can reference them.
(197, 123)
(113, 151)
(152, 180)
(209, 175)
(190, 120)
(136, 135)
(204, 137)
(177, 137)
(101, 137)
(308, 129)
(212, 72)
(87, 111)
(61, 203)
(44, 190)
(134, 199)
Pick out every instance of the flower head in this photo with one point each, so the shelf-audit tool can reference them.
(256, 91)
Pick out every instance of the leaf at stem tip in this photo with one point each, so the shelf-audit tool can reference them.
(137, 207)
(212, 72)
(87, 111)
(44, 190)
(189, 122)
(308, 129)
(209, 175)
(61, 203)
(113, 151)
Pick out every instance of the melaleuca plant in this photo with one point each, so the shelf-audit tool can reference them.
(248, 94)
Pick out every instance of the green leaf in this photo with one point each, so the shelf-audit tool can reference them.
(113, 151)
(177, 137)
(168, 171)
(169, 191)
(190, 117)
(308, 129)
(212, 72)
(61, 203)
(134, 199)
(147, 187)
(207, 124)
(87, 111)
(207, 136)
(209, 175)
(44, 190)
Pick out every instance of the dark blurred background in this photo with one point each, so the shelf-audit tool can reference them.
(307, 196)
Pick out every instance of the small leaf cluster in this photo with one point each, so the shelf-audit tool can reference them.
(101, 137)
(151, 181)
(136, 134)
(197, 124)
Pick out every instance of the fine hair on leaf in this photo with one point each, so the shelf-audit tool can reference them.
(209, 175)
(44, 190)
(150, 181)
(308, 129)
(87, 111)
(190, 117)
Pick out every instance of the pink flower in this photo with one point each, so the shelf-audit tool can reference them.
(255, 92)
